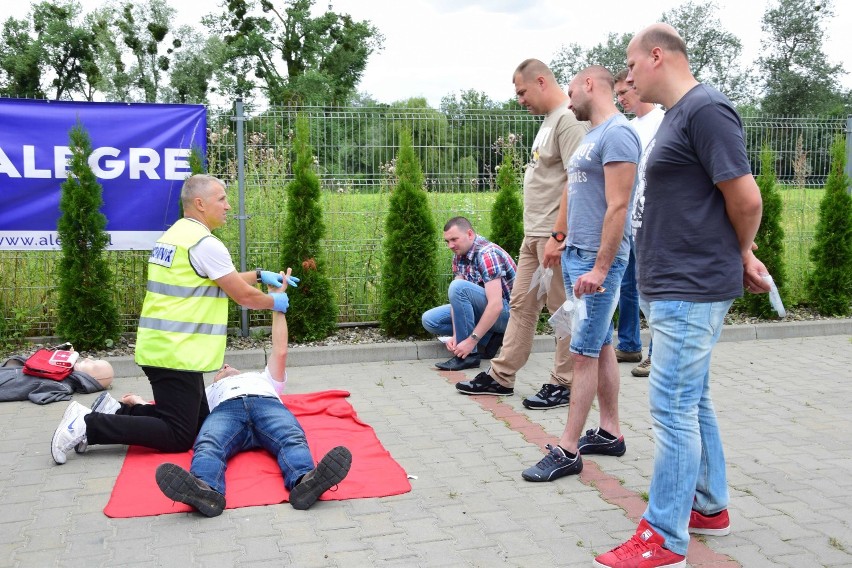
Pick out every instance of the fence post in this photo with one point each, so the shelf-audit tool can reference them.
(849, 153)
(241, 216)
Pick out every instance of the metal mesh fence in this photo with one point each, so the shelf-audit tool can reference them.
(354, 152)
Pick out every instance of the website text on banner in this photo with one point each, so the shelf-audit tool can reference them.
(140, 155)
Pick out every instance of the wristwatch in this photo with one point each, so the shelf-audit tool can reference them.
(558, 235)
(257, 272)
(474, 336)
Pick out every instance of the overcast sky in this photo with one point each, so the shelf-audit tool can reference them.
(437, 47)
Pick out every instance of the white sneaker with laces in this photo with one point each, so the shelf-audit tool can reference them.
(71, 431)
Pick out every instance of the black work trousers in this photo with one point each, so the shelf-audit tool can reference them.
(168, 425)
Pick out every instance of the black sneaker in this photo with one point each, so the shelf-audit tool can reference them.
(550, 396)
(594, 443)
(180, 485)
(483, 384)
(553, 466)
(330, 471)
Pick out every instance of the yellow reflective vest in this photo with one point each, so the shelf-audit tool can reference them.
(184, 318)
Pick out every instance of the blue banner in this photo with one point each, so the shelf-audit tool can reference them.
(140, 155)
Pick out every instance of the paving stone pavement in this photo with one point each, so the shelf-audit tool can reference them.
(783, 405)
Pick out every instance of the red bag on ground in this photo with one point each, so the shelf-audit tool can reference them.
(54, 364)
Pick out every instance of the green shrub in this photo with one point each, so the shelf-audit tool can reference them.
(313, 311)
(769, 238)
(829, 285)
(507, 213)
(409, 271)
(88, 316)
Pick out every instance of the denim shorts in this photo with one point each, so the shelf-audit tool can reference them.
(591, 334)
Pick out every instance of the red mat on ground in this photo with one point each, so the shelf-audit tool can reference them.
(253, 478)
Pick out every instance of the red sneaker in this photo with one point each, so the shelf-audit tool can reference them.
(643, 550)
(717, 525)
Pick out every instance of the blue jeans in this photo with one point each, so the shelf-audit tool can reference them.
(689, 463)
(591, 334)
(240, 424)
(467, 303)
(628, 309)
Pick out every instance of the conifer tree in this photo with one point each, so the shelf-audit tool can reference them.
(769, 238)
(409, 272)
(88, 316)
(313, 311)
(829, 285)
(507, 213)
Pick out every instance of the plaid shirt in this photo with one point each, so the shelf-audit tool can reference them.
(484, 262)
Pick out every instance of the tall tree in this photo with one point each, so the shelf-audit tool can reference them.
(297, 58)
(799, 79)
(142, 33)
(20, 61)
(714, 53)
(66, 46)
(572, 59)
(88, 316)
(192, 68)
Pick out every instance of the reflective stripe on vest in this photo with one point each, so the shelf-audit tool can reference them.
(183, 324)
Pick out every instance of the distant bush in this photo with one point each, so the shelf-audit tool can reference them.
(829, 285)
(409, 271)
(507, 213)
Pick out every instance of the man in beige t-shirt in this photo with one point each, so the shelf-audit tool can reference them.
(544, 231)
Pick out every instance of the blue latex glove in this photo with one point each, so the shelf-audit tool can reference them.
(276, 280)
(280, 302)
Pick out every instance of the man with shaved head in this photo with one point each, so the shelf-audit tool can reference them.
(601, 175)
(696, 211)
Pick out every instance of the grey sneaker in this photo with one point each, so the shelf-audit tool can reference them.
(628, 356)
(643, 369)
(330, 471)
(553, 466)
(594, 443)
(105, 404)
(179, 485)
(550, 396)
(71, 431)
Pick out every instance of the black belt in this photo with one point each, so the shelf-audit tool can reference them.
(252, 396)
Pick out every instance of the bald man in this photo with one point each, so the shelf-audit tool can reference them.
(601, 175)
(696, 211)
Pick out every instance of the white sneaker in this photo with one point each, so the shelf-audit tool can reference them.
(105, 404)
(71, 431)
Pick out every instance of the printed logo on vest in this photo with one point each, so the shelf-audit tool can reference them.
(162, 254)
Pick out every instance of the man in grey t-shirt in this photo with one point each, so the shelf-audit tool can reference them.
(697, 209)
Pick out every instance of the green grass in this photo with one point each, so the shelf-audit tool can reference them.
(355, 230)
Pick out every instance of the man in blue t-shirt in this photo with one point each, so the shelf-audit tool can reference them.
(601, 175)
(476, 317)
(696, 211)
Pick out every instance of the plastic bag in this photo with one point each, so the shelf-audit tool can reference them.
(541, 278)
(774, 296)
(562, 320)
